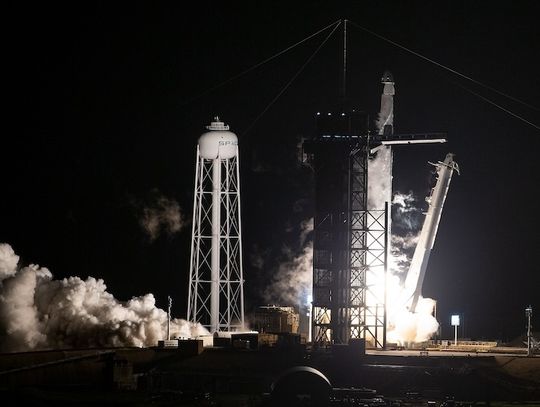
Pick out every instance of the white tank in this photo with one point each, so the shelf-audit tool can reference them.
(219, 142)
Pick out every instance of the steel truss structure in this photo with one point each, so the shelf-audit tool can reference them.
(368, 242)
(349, 264)
(216, 292)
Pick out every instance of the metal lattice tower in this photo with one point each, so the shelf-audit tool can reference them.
(368, 244)
(350, 241)
(216, 294)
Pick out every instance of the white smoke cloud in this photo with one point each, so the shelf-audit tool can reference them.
(306, 227)
(401, 251)
(408, 327)
(403, 326)
(380, 179)
(256, 260)
(409, 241)
(292, 283)
(19, 323)
(406, 211)
(163, 215)
(8, 261)
(38, 312)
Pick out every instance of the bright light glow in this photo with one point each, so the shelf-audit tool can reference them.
(292, 284)
(403, 326)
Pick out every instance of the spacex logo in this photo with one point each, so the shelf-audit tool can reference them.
(228, 143)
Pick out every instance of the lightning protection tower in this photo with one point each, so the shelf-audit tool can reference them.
(216, 294)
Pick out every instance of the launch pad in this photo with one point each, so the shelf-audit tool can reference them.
(190, 374)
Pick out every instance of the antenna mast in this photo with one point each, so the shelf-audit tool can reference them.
(169, 318)
(344, 89)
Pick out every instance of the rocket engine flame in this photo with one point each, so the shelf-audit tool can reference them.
(38, 312)
(403, 326)
(292, 282)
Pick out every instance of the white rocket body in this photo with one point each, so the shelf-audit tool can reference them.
(417, 270)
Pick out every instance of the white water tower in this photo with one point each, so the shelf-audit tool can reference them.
(216, 285)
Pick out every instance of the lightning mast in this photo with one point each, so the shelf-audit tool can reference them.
(528, 313)
(169, 318)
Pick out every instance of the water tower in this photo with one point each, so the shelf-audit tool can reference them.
(216, 293)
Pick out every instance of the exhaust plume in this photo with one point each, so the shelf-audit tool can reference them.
(292, 282)
(403, 326)
(406, 212)
(38, 312)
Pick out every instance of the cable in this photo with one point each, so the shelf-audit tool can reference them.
(219, 85)
(291, 81)
(444, 67)
(498, 106)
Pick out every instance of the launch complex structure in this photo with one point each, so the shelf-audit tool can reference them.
(351, 237)
(351, 232)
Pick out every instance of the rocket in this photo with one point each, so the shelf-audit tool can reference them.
(417, 270)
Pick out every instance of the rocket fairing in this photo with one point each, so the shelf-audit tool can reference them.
(417, 270)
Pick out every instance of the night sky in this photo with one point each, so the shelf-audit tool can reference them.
(104, 109)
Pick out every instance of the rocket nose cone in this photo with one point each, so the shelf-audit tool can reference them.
(387, 77)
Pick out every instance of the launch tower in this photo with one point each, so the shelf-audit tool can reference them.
(216, 285)
(350, 237)
(350, 241)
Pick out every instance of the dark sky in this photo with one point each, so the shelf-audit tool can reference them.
(101, 115)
